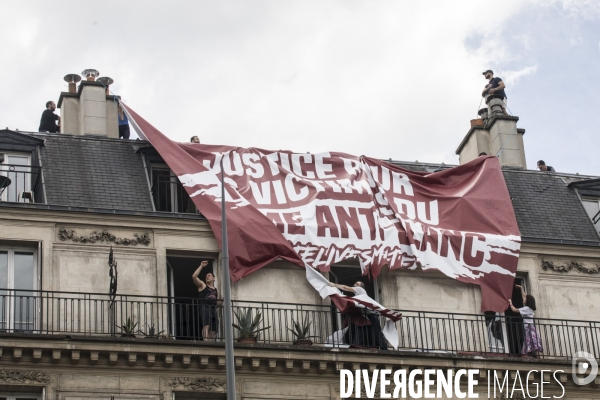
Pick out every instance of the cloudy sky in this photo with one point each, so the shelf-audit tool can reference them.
(388, 79)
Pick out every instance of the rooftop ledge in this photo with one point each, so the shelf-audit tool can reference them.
(53, 207)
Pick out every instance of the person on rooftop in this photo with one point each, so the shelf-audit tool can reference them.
(123, 124)
(543, 167)
(495, 86)
(48, 121)
(195, 139)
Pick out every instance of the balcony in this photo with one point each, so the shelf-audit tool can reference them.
(21, 184)
(96, 315)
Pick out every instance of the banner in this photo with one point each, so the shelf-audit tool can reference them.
(321, 209)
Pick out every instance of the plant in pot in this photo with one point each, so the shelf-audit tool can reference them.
(128, 328)
(151, 332)
(300, 332)
(247, 326)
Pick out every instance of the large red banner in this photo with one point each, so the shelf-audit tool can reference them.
(321, 209)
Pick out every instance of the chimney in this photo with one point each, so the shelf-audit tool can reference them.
(89, 110)
(494, 134)
(72, 80)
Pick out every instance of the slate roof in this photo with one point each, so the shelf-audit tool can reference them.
(547, 209)
(93, 172)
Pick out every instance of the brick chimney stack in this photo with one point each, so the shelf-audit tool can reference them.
(494, 134)
(88, 109)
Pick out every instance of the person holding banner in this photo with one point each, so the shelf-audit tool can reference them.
(207, 295)
(364, 329)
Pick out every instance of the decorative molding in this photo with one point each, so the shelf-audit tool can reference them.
(102, 237)
(15, 376)
(572, 265)
(200, 384)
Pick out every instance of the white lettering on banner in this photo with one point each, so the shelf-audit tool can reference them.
(261, 195)
(291, 190)
(331, 208)
(255, 168)
(306, 158)
(322, 168)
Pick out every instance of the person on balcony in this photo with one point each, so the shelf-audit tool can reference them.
(364, 329)
(48, 121)
(207, 295)
(495, 86)
(532, 344)
(514, 323)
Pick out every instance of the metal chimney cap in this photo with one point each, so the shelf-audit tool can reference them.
(105, 80)
(72, 78)
(90, 73)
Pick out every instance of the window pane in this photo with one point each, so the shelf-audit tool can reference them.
(24, 271)
(3, 269)
(19, 176)
(24, 299)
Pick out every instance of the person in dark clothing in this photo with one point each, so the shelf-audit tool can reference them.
(543, 167)
(495, 86)
(195, 139)
(515, 330)
(48, 121)
(207, 296)
(364, 328)
(123, 124)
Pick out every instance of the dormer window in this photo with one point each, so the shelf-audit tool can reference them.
(592, 207)
(21, 180)
(168, 193)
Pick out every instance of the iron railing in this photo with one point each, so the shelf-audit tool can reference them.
(25, 183)
(91, 314)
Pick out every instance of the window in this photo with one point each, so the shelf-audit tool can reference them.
(592, 207)
(18, 279)
(23, 178)
(168, 193)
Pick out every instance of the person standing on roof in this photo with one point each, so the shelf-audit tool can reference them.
(544, 168)
(123, 124)
(495, 86)
(194, 139)
(48, 121)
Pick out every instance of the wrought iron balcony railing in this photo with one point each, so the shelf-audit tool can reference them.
(88, 314)
(24, 184)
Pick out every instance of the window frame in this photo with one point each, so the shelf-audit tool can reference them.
(586, 199)
(3, 172)
(11, 291)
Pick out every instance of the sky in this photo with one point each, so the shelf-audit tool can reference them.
(386, 79)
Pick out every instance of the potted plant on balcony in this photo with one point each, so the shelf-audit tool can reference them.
(151, 332)
(247, 326)
(128, 328)
(300, 332)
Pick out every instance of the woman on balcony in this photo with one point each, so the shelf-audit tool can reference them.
(532, 345)
(207, 295)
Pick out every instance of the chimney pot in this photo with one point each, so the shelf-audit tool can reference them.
(72, 80)
(90, 74)
(106, 81)
(483, 113)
